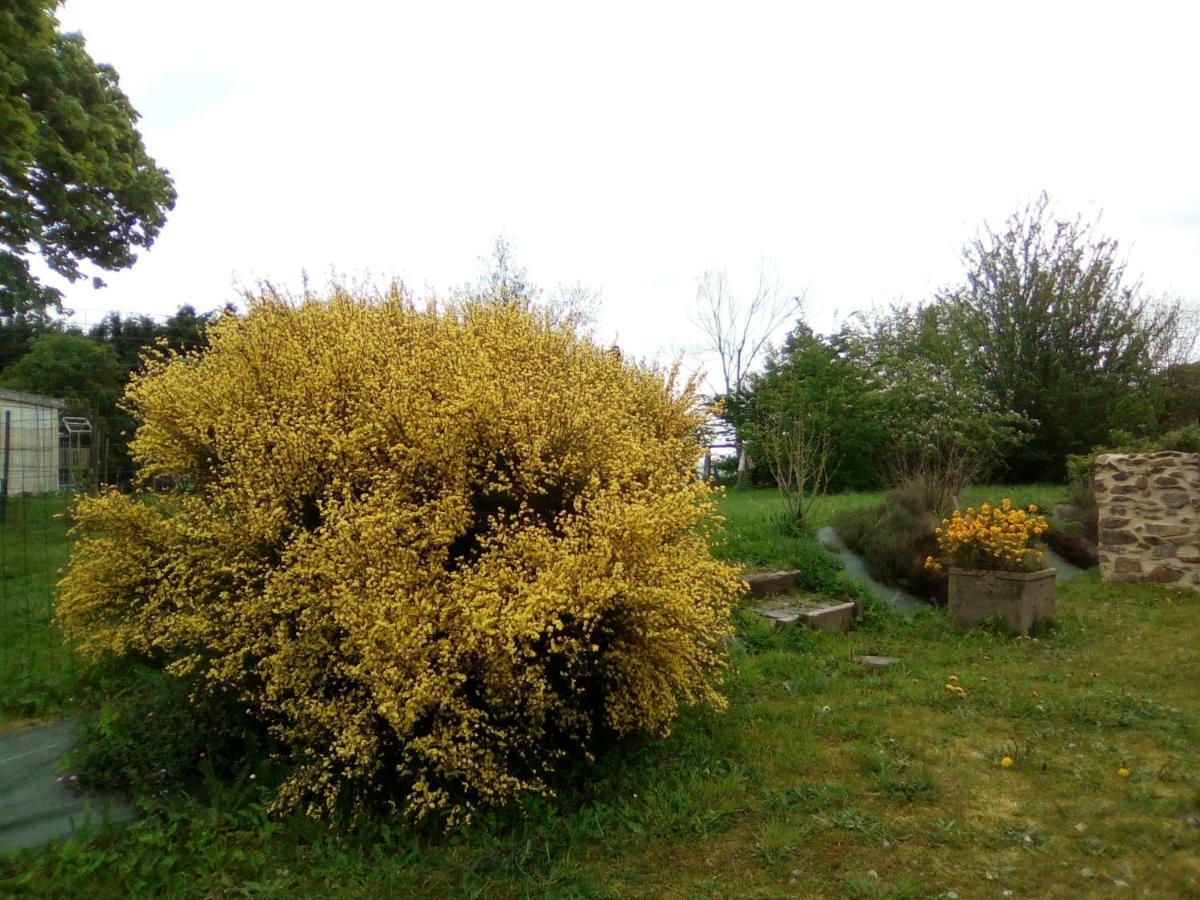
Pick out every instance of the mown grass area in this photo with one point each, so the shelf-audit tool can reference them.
(820, 780)
(37, 672)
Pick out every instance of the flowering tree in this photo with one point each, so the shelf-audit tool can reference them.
(945, 427)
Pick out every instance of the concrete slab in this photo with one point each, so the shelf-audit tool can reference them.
(838, 617)
(811, 611)
(764, 583)
(780, 617)
(37, 803)
(877, 663)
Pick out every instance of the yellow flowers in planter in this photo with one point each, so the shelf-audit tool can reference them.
(992, 537)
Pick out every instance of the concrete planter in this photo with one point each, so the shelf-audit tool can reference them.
(1020, 599)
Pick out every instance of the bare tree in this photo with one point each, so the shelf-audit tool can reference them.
(738, 329)
(502, 278)
(1178, 345)
(797, 452)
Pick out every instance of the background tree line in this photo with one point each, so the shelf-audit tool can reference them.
(1043, 349)
(89, 369)
(79, 196)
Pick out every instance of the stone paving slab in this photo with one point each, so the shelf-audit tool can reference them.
(810, 611)
(877, 663)
(764, 583)
(38, 806)
(779, 617)
(838, 617)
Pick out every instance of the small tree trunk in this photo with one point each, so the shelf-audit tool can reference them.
(743, 470)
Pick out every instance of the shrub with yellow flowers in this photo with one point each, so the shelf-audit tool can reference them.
(431, 550)
(993, 537)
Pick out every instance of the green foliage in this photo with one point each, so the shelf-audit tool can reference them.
(1060, 334)
(821, 573)
(816, 380)
(897, 397)
(71, 366)
(945, 428)
(39, 354)
(1042, 350)
(37, 670)
(76, 183)
(155, 733)
(1174, 393)
(130, 337)
(1080, 467)
(764, 540)
(724, 471)
(18, 330)
(1185, 439)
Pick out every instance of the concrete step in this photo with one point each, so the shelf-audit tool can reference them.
(810, 612)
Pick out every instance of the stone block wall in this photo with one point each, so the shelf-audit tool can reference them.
(1149, 507)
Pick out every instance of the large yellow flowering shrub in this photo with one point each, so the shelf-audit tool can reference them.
(994, 537)
(431, 550)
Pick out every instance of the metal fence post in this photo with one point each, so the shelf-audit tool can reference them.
(7, 455)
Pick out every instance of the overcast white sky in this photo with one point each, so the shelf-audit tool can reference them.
(631, 146)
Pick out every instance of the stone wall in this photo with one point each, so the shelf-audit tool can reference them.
(1149, 507)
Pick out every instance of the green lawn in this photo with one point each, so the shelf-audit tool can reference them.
(820, 780)
(37, 672)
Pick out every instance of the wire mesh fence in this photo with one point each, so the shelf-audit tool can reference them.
(62, 433)
(51, 450)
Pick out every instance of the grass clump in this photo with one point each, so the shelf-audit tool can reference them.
(895, 537)
(156, 735)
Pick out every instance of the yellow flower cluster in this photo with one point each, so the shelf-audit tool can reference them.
(992, 537)
(432, 549)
